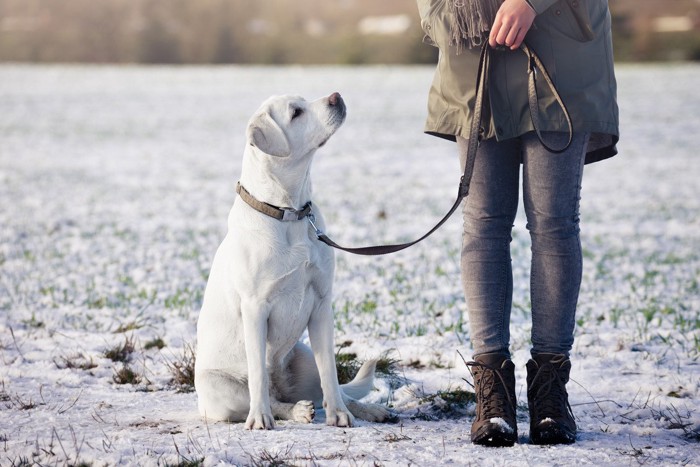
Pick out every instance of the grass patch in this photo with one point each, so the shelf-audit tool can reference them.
(77, 362)
(18, 403)
(448, 404)
(126, 327)
(121, 352)
(188, 463)
(4, 396)
(155, 343)
(184, 298)
(387, 366)
(268, 458)
(182, 369)
(394, 438)
(33, 322)
(347, 365)
(125, 375)
(679, 421)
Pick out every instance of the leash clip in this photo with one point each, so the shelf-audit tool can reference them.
(312, 220)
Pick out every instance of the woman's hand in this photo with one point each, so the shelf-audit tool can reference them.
(512, 22)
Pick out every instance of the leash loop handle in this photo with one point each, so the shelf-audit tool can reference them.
(535, 64)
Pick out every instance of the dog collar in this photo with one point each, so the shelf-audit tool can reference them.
(281, 214)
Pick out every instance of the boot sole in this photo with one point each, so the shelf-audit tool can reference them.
(493, 437)
(552, 435)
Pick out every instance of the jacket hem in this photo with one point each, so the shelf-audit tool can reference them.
(450, 133)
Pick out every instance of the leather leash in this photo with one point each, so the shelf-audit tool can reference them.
(534, 64)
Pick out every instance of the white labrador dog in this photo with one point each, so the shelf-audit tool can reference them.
(271, 280)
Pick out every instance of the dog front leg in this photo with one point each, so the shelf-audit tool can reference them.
(321, 337)
(255, 331)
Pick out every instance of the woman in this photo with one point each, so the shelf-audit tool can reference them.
(573, 40)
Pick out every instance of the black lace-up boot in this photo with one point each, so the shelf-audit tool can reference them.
(494, 386)
(551, 418)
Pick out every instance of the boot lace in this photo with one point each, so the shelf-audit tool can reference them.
(491, 391)
(551, 398)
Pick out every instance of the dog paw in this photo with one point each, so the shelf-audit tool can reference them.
(377, 413)
(303, 411)
(338, 417)
(371, 412)
(260, 421)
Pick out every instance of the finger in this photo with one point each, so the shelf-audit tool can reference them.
(519, 40)
(512, 37)
(494, 32)
(502, 35)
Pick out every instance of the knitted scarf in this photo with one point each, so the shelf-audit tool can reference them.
(471, 21)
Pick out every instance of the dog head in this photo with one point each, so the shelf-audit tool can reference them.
(287, 126)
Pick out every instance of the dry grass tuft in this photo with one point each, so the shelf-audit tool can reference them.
(182, 369)
(121, 352)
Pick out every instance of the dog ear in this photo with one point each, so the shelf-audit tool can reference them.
(265, 134)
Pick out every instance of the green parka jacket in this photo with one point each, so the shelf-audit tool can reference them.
(573, 39)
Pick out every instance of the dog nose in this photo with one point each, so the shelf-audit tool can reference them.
(334, 98)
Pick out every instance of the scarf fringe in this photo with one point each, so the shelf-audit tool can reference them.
(471, 22)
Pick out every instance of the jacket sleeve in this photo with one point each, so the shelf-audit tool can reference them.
(424, 7)
(540, 6)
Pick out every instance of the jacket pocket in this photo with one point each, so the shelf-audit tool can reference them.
(572, 19)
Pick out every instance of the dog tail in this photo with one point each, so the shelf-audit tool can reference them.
(363, 382)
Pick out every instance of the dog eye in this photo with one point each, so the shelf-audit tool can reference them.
(297, 112)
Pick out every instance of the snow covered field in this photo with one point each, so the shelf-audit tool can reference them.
(115, 184)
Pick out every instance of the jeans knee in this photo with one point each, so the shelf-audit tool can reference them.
(487, 237)
(554, 228)
(555, 236)
(484, 226)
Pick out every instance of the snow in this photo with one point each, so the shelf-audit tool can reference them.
(116, 183)
(502, 424)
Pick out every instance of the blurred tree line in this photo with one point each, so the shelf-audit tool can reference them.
(277, 31)
(206, 31)
(656, 30)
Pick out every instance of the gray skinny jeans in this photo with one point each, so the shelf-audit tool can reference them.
(551, 193)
